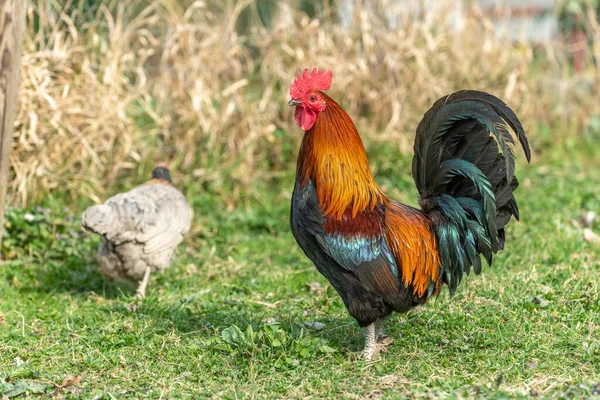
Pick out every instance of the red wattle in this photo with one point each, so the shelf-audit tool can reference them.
(305, 118)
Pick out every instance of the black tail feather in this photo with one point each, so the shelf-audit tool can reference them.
(472, 127)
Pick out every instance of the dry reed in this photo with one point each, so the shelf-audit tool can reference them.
(137, 85)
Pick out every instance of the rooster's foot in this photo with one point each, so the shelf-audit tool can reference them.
(373, 346)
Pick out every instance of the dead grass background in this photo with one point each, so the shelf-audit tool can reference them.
(102, 99)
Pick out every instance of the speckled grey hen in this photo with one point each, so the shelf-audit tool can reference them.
(140, 229)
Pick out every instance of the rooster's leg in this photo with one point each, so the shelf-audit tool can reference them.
(375, 340)
(379, 329)
(140, 293)
(370, 342)
(380, 333)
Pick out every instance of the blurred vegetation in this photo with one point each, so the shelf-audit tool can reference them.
(43, 234)
(109, 88)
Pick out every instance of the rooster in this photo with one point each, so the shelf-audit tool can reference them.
(382, 256)
(140, 229)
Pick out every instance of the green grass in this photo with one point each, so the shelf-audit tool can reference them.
(233, 316)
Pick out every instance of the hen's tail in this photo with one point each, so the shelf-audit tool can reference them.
(464, 168)
(100, 219)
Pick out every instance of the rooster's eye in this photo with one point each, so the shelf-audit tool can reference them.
(312, 98)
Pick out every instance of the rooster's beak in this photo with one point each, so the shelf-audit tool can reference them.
(294, 103)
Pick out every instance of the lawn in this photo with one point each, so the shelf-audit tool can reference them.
(242, 313)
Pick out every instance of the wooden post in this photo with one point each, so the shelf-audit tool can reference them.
(12, 30)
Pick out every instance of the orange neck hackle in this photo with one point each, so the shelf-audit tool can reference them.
(334, 157)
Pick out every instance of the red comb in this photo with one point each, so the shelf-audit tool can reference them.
(318, 80)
